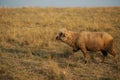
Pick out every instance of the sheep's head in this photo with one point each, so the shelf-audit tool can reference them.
(62, 35)
(67, 37)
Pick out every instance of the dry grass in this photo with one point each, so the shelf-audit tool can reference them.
(29, 51)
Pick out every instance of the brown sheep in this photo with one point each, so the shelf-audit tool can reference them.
(89, 41)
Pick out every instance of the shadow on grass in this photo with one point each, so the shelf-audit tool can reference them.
(2, 49)
(43, 53)
(50, 54)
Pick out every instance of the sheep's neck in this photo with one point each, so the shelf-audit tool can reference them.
(71, 40)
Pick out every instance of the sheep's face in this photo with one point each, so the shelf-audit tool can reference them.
(64, 35)
(61, 36)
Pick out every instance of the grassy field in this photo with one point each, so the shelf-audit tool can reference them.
(29, 51)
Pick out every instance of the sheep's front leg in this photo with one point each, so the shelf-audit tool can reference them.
(74, 50)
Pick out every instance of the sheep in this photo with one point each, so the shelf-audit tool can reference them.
(89, 41)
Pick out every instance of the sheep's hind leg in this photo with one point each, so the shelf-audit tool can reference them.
(104, 55)
(113, 53)
(84, 51)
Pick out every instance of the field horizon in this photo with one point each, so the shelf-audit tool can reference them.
(29, 51)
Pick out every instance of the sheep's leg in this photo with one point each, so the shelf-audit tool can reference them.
(74, 50)
(84, 51)
(113, 53)
(104, 56)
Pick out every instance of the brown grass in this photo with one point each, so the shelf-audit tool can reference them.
(29, 51)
